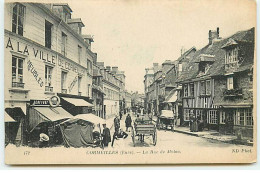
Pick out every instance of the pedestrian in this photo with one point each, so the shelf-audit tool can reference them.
(44, 140)
(128, 122)
(116, 124)
(120, 114)
(120, 134)
(106, 136)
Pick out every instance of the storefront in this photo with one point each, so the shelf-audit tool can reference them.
(43, 117)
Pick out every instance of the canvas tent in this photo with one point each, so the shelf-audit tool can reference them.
(78, 131)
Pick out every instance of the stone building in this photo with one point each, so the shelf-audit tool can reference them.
(45, 56)
(97, 91)
(111, 88)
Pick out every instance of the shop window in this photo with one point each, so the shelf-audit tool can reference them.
(48, 30)
(222, 117)
(249, 117)
(230, 83)
(64, 44)
(243, 117)
(48, 78)
(18, 19)
(212, 117)
(17, 72)
(63, 82)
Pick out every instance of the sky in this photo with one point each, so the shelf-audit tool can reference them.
(133, 34)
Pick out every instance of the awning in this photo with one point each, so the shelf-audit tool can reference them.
(39, 115)
(53, 114)
(77, 102)
(167, 114)
(94, 119)
(8, 119)
(172, 98)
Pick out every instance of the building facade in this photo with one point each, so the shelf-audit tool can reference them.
(45, 56)
(217, 88)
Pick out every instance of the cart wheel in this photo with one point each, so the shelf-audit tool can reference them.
(155, 137)
(133, 137)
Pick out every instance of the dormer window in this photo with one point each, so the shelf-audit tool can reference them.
(76, 25)
(231, 56)
(205, 61)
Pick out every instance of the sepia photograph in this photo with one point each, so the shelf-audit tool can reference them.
(130, 82)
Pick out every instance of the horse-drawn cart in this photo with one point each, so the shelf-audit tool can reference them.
(144, 127)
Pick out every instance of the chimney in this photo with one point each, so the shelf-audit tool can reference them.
(115, 69)
(108, 68)
(167, 64)
(213, 35)
(100, 64)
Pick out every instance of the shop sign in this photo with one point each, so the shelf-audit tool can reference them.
(54, 101)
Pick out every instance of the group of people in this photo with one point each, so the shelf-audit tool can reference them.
(118, 133)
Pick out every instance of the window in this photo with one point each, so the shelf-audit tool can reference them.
(185, 90)
(202, 88)
(249, 117)
(231, 56)
(192, 89)
(243, 117)
(89, 66)
(186, 115)
(17, 72)
(222, 117)
(48, 78)
(63, 81)
(230, 83)
(88, 90)
(208, 89)
(79, 84)
(79, 53)
(64, 44)
(212, 117)
(48, 27)
(18, 19)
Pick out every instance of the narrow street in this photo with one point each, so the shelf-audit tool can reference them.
(167, 139)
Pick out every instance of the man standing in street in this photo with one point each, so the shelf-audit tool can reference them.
(128, 122)
(116, 124)
(106, 136)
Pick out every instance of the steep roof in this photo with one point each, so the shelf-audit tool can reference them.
(218, 67)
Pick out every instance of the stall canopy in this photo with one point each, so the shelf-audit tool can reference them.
(77, 102)
(78, 130)
(44, 114)
(172, 97)
(8, 119)
(87, 117)
(167, 114)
